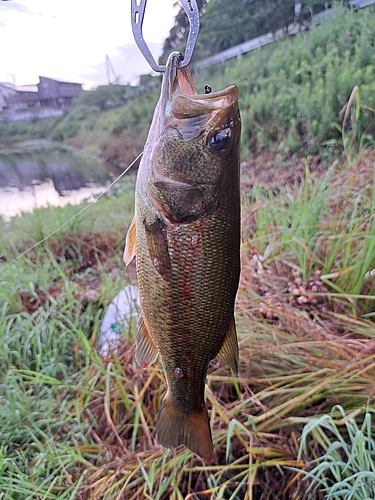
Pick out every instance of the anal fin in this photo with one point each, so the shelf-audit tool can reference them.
(131, 243)
(229, 350)
(175, 428)
(146, 351)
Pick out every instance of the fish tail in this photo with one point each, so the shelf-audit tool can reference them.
(174, 428)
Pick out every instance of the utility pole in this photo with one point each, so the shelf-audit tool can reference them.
(109, 69)
(13, 77)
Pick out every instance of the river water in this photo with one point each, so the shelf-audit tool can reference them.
(36, 179)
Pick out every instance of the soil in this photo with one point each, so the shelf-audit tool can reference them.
(271, 170)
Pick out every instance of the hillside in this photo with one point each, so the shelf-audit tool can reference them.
(225, 25)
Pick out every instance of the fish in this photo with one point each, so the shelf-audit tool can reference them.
(185, 236)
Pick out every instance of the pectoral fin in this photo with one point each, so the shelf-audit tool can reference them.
(157, 244)
(131, 243)
(146, 352)
(229, 350)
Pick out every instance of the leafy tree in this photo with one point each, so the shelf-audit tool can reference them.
(105, 96)
(178, 34)
(225, 24)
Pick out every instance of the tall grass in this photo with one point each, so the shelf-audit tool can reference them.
(292, 91)
(77, 425)
(346, 469)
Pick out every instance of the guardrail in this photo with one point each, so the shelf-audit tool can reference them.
(261, 41)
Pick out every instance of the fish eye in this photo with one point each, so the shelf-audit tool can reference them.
(219, 140)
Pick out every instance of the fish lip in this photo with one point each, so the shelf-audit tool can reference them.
(178, 83)
(170, 80)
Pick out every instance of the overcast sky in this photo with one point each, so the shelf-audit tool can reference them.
(69, 39)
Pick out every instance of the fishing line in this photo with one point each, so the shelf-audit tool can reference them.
(74, 216)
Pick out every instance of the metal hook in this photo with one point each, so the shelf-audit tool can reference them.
(138, 12)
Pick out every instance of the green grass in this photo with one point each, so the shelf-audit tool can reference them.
(293, 93)
(75, 425)
(346, 469)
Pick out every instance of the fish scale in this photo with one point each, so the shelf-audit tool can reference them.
(186, 237)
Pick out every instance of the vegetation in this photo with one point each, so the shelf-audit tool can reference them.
(293, 98)
(348, 465)
(294, 93)
(14, 132)
(298, 420)
(79, 425)
(99, 123)
(224, 25)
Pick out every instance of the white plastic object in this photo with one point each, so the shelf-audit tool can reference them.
(120, 311)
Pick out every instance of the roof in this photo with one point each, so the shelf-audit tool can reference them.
(8, 85)
(59, 80)
(27, 88)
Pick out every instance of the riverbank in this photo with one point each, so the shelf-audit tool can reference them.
(80, 424)
(114, 136)
(36, 174)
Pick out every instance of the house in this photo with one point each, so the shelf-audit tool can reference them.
(48, 93)
(57, 93)
(25, 97)
(6, 90)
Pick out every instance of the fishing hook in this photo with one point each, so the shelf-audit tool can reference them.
(138, 12)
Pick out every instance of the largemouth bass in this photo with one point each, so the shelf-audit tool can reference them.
(186, 238)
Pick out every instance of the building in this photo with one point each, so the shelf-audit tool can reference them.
(48, 93)
(25, 97)
(57, 93)
(6, 90)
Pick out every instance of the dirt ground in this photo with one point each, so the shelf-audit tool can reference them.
(271, 170)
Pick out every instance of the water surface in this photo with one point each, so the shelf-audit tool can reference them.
(38, 179)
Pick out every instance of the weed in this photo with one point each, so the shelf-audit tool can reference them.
(77, 425)
(354, 140)
(346, 469)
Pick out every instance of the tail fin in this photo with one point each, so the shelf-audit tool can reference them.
(174, 428)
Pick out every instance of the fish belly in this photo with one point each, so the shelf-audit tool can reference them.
(188, 310)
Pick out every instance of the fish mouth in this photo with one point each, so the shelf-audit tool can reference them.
(180, 99)
(184, 168)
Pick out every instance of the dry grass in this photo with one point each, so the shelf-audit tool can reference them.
(298, 359)
(306, 344)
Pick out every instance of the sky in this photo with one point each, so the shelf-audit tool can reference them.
(69, 39)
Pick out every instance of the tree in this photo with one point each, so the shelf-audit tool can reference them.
(178, 34)
(105, 96)
(225, 24)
